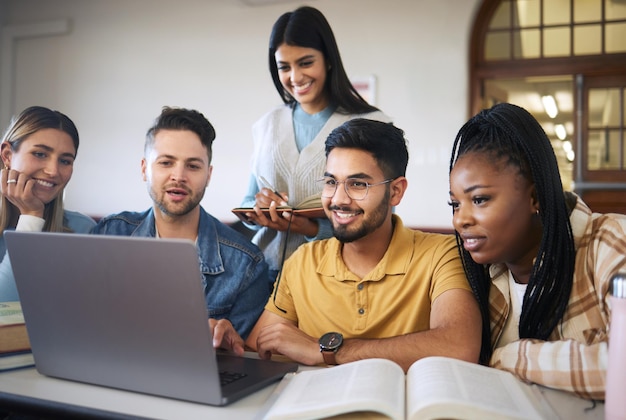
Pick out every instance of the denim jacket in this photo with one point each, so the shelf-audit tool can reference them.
(234, 271)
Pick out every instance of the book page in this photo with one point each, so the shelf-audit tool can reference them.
(366, 385)
(312, 201)
(11, 313)
(443, 387)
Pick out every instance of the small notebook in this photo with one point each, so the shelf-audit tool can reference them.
(128, 313)
(310, 207)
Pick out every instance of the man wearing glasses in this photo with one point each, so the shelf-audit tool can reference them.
(377, 289)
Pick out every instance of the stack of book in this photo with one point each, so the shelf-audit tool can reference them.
(14, 344)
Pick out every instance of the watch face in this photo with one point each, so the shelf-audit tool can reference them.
(331, 341)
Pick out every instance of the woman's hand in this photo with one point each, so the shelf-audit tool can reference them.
(266, 213)
(268, 199)
(265, 197)
(18, 189)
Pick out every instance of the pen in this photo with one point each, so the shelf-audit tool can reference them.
(267, 185)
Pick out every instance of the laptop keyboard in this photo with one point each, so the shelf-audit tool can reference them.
(230, 377)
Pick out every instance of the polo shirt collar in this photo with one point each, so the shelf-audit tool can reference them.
(394, 262)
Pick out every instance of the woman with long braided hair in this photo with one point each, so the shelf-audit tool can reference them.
(538, 260)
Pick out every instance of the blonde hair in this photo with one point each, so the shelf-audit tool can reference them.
(28, 122)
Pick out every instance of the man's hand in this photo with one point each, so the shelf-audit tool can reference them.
(290, 341)
(225, 336)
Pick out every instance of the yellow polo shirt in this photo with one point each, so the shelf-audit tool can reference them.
(320, 294)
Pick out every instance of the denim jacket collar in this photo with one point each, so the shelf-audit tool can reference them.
(209, 255)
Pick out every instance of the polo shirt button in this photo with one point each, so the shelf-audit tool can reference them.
(360, 286)
(361, 311)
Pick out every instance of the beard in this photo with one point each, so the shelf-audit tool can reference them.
(346, 233)
(175, 209)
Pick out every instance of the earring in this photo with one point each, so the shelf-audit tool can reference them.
(537, 212)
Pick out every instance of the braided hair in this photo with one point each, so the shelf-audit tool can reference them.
(509, 132)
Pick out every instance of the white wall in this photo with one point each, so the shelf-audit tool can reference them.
(122, 60)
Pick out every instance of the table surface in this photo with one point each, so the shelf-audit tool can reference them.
(28, 388)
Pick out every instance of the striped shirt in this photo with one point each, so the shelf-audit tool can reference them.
(574, 358)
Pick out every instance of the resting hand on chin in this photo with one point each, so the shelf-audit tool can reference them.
(18, 189)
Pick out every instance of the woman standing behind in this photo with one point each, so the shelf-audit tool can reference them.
(539, 261)
(289, 141)
(38, 152)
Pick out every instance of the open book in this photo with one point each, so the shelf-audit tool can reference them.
(310, 207)
(434, 387)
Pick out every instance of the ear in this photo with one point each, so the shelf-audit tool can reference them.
(534, 201)
(397, 188)
(144, 168)
(6, 153)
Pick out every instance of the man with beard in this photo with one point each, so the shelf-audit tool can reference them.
(377, 289)
(177, 168)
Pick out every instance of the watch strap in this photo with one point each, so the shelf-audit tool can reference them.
(329, 357)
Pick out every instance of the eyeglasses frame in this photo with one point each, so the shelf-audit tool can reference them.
(367, 187)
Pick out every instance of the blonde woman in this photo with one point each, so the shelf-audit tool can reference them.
(38, 152)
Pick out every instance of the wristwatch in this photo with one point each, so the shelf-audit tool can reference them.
(329, 344)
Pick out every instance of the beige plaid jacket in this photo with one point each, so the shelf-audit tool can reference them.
(575, 356)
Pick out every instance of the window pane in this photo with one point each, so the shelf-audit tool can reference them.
(527, 44)
(497, 46)
(612, 108)
(556, 42)
(606, 141)
(605, 150)
(598, 99)
(527, 13)
(502, 17)
(615, 37)
(613, 150)
(595, 150)
(587, 39)
(614, 10)
(587, 11)
(556, 12)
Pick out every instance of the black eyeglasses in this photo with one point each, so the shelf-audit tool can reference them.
(355, 188)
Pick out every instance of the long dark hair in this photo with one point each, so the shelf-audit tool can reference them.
(307, 27)
(509, 131)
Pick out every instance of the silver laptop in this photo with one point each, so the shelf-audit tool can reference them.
(127, 313)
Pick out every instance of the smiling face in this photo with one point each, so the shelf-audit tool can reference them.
(177, 171)
(495, 211)
(302, 72)
(47, 157)
(352, 220)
